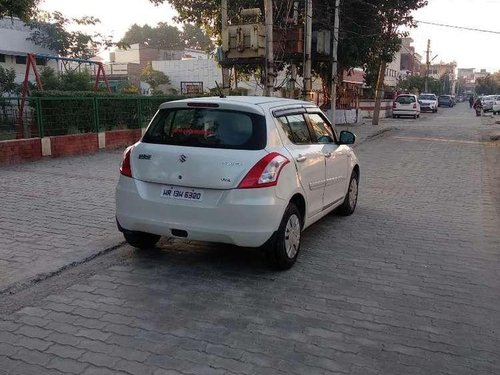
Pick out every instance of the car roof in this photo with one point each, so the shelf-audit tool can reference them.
(253, 103)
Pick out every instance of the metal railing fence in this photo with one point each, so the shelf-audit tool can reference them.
(61, 115)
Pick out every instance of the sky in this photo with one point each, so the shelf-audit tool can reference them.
(470, 49)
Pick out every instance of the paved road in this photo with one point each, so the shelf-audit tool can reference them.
(59, 212)
(407, 285)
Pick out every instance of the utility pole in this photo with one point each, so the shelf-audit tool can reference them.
(307, 51)
(269, 65)
(427, 65)
(333, 91)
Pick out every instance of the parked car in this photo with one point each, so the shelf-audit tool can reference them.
(445, 101)
(406, 105)
(487, 102)
(496, 105)
(248, 171)
(428, 102)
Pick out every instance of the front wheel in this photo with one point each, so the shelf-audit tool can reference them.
(141, 240)
(351, 198)
(283, 248)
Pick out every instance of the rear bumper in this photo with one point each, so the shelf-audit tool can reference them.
(405, 112)
(243, 217)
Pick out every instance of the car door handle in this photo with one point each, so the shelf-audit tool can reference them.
(328, 154)
(301, 158)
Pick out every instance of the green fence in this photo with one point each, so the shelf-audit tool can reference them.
(60, 115)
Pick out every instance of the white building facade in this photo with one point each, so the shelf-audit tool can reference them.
(14, 46)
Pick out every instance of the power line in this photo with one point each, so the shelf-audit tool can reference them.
(459, 27)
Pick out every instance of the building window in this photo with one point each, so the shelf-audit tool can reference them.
(40, 61)
(21, 60)
(2, 57)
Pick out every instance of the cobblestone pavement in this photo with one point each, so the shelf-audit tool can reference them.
(55, 212)
(409, 284)
(59, 211)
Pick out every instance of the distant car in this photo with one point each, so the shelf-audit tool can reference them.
(445, 101)
(487, 102)
(249, 171)
(406, 105)
(496, 105)
(428, 102)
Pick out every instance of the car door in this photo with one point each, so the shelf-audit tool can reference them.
(308, 157)
(336, 159)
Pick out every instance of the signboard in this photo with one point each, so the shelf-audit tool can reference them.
(191, 88)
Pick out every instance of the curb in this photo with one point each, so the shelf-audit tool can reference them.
(374, 135)
(25, 284)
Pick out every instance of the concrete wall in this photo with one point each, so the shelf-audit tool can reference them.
(32, 149)
(367, 108)
(344, 116)
(206, 71)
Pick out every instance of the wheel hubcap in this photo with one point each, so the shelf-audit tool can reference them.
(353, 193)
(292, 236)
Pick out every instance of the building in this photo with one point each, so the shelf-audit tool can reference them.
(128, 64)
(14, 46)
(410, 60)
(466, 80)
(445, 71)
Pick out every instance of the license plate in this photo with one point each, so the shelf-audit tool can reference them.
(187, 194)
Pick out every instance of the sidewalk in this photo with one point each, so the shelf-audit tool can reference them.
(55, 213)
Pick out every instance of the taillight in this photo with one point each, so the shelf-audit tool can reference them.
(394, 105)
(125, 168)
(265, 173)
(414, 105)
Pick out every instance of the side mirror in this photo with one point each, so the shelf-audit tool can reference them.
(347, 138)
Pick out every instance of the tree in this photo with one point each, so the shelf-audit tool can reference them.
(416, 84)
(194, 37)
(66, 81)
(154, 78)
(24, 9)
(488, 85)
(161, 36)
(50, 30)
(390, 16)
(7, 81)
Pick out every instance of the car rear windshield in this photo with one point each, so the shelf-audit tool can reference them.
(427, 97)
(446, 97)
(207, 127)
(407, 99)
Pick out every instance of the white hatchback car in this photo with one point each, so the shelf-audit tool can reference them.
(249, 171)
(406, 105)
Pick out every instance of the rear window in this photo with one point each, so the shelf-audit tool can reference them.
(445, 97)
(405, 99)
(207, 127)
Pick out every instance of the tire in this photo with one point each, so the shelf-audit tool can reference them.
(415, 117)
(283, 248)
(351, 198)
(394, 116)
(141, 240)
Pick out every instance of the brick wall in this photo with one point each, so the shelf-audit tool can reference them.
(19, 150)
(77, 144)
(116, 139)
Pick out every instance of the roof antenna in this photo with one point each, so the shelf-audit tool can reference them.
(221, 94)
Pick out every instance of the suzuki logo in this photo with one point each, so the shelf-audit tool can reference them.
(182, 158)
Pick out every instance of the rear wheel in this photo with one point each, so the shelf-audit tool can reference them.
(283, 248)
(351, 198)
(141, 240)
